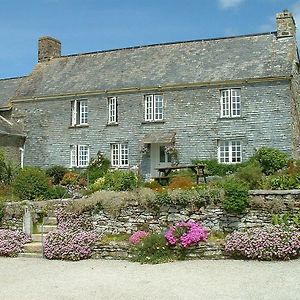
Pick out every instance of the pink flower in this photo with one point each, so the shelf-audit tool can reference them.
(137, 237)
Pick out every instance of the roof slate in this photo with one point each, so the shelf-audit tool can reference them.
(242, 57)
(8, 88)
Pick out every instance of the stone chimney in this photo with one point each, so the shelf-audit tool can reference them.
(48, 48)
(285, 24)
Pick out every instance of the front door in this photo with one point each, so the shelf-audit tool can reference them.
(158, 158)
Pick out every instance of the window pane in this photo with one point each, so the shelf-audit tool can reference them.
(149, 108)
(73, 153)
(83, 153)
(162, 155)
(225, 103)
(236, 102)
(158, 104)
(73, 112)
(112, 110)
(83, 112)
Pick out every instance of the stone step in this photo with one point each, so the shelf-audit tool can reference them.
(50, 221)
(30, 255)
(33, 247)
(46, 228)
(37, 237)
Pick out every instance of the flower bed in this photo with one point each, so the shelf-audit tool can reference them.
(266, 243)
(12, 242)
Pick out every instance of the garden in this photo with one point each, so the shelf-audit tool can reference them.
(156, 223)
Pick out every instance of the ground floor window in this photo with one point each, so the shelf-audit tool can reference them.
(80, 156)
(229, 152)
(119, 155)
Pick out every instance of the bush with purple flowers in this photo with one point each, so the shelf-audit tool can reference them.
(267, 243)
(12, 242)
(73, 239)
(68, 245)
(186, 234)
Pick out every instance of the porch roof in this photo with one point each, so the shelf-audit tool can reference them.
(159, 137)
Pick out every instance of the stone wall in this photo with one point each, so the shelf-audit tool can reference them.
(132, 216)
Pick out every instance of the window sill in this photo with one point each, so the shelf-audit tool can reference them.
(112, 124)
(231, 118)
(79, 126)
(153, 122)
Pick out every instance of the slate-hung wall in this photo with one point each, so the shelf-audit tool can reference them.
(194, 114)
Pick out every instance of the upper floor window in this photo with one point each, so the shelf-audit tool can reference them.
(230, 152)
(230, 103)
(119, 155)
(79, 112)
(80, 156)
(154, 108)
(112, 110)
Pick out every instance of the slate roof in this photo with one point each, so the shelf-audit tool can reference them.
(9, 128)
(241, 57)
(8, 88)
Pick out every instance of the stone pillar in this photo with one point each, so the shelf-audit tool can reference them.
(27, 222)
(285, 24)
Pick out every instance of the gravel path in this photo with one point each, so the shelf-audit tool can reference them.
(29, 278)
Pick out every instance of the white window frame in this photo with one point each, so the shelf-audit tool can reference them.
(79, 112)
(79, 156)
(120, 155)
(229, 151)
(112, 110)
(154, 107)
(230, 103)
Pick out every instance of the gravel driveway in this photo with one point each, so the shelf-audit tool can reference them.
(29, 278)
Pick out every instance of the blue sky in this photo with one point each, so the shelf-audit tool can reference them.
(93, 25)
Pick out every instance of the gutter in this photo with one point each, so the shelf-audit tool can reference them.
(159, 88)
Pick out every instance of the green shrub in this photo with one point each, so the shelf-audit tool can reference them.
(56, 173)
(153, 249)
(214, 168)
(31, 183)
(117, 180)
(7, 169)
(271, 160)
(58, 192)
(1, 210)
(236, 198)
(251, 174)
(97, 168)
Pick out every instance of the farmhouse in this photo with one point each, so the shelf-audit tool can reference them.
(213, 98)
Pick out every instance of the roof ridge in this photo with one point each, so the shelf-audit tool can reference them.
(170, 43)
(17, 77)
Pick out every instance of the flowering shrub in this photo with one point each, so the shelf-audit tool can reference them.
(186, 234)
(152, 249)
(71, 221)
(12, 242)
(68, 245)
(97, 168)
(137, 237)
(267, 243)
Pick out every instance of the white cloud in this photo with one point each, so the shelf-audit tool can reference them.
(225, 4)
